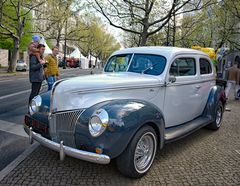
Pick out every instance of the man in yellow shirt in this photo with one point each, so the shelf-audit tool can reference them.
(51, 70)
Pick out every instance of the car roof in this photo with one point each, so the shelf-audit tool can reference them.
(167, 52)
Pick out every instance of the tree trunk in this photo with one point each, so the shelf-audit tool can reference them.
(144, 37)
(13, 61)
(58, 37)
(58, 43)
(168, 34)
(143, 41)
(174, 30)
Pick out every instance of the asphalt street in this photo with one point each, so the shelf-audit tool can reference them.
(14, 93)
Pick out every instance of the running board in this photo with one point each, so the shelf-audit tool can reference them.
(180, 131)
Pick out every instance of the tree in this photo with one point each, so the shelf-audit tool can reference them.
(213, 27)
(53, 19)
(95, 39)
(13, 18)
(231, 8)
(61, 20)
(150, 16)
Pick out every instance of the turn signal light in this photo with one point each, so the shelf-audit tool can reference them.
(99, 150)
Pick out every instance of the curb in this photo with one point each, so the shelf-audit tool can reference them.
(17, 161)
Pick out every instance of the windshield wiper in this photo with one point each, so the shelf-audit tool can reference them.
(149, 68)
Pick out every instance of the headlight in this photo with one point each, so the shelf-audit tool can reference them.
(98, 122)
(35, 104)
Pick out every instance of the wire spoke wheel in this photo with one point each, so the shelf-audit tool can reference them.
(144, 152)
(219, 114)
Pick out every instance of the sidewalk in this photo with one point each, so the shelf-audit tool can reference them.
(4, 73)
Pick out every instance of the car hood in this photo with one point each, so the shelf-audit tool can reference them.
(85, 91)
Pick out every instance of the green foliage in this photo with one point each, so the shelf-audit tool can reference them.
(95, 39)
(49, 43)
(10, 21)
(27, 36)
(6, 43)
(213, 26)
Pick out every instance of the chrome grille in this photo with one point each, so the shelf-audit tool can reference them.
(62, 126)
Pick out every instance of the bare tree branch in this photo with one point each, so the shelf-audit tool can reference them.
(111, 23)
(8, 30)
(30, 8)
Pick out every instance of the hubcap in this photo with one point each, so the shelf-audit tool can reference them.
(145, 152)
(219, 116)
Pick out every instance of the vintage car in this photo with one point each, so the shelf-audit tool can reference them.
(146, 97)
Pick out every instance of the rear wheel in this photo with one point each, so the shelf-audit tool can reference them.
(138, 157)
(218, 117)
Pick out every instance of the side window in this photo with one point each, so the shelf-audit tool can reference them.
(205, 66)
(183, 67)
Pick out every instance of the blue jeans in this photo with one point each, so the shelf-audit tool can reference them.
(51, 80)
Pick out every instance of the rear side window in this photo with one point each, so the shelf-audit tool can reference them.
(205, 66)
(183, 67)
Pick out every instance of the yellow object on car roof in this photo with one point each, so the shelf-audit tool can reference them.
(210, 51)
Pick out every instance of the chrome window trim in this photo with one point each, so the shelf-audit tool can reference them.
(130, 62)
(212, 71)
(195, 66)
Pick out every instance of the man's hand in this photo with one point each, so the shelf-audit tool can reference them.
(58, 77)
(42, 62)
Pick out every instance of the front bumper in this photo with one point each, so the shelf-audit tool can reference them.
(65, 150)
(21, 68)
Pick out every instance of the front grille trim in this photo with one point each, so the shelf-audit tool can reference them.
(62, 126)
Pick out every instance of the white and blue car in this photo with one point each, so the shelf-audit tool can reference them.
(145, 98)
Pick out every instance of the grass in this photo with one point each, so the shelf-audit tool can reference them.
(4, 72)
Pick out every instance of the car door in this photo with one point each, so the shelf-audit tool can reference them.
(182, 97)
(207, 80)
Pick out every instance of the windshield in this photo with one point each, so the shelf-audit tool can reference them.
(118, 63)
(138, 63)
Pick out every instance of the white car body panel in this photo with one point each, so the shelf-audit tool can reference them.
(186, 98)
(180, 101)
(86, 91)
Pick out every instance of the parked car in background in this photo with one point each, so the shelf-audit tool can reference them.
(145, 98)
(73, 62)
(21, 65)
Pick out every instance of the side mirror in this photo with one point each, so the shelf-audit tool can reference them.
(172, 79)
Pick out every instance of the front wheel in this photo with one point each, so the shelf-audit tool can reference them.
(218, 117)
(138, 157)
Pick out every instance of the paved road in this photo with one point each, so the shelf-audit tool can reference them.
(204, 158)
(14, 93)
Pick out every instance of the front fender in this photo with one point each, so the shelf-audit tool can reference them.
(216, 94)
(125, 119)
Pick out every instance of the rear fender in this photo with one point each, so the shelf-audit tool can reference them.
(216, 94)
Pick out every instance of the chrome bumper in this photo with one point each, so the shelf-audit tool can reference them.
(65, 150)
